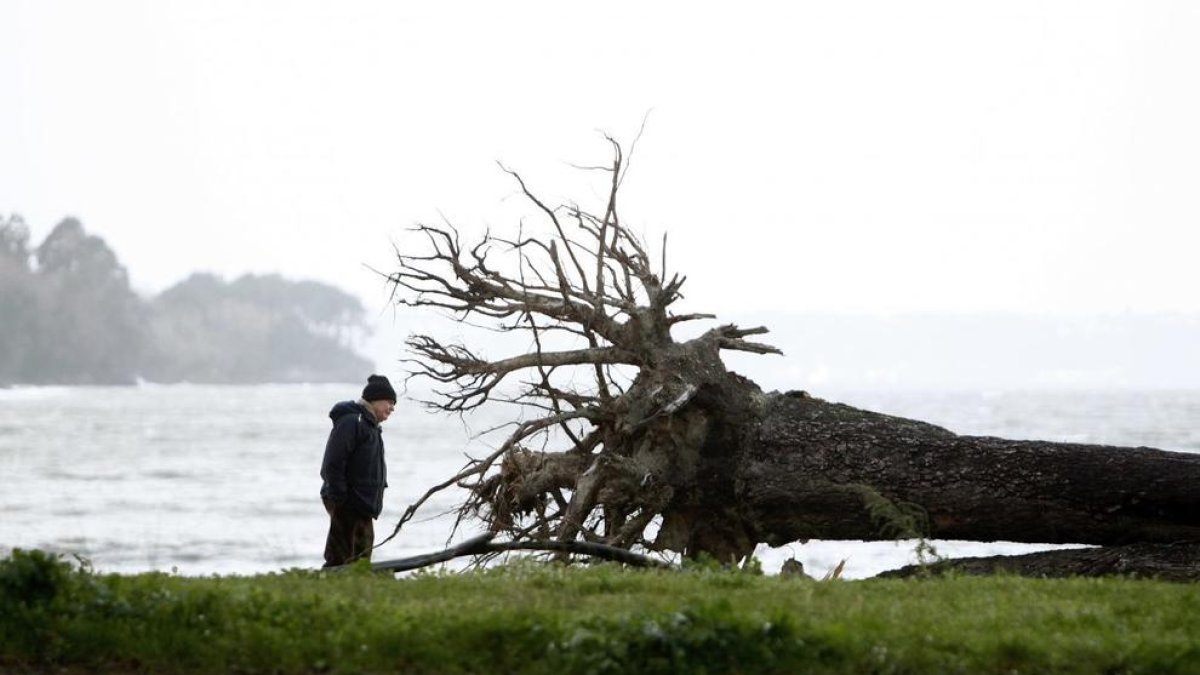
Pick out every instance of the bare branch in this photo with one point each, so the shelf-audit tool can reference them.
(730, 337)
(680, 318)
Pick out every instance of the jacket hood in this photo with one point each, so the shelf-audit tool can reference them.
(343, 408)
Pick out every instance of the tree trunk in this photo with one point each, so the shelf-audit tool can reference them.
(818, 470)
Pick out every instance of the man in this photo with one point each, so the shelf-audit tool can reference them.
(354, 472)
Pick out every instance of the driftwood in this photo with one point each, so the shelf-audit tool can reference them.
(483, 545)
(631, 438)
(1166, 562)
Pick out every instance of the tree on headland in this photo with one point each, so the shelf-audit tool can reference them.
(90, 320)
(254, 329)
(70, 316)
(630, 437)
(18, 300)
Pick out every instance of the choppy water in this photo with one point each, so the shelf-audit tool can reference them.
(224, 479)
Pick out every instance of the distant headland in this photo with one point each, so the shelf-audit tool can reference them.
(71, 317)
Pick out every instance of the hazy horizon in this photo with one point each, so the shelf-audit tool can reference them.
(868, 157)
(823, 350)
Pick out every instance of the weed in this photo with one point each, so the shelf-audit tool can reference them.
(900, 520)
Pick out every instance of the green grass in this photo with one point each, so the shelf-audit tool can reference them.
(551, 619)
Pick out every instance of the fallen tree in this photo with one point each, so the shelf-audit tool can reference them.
(638, 440)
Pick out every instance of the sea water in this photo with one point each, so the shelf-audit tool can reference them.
(202, 480)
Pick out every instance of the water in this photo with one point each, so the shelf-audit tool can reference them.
(206, 480)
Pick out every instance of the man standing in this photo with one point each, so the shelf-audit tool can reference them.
(354, 472)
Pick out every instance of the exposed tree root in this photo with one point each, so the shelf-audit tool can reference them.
(483, 545)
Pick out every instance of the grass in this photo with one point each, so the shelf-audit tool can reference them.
(550, 619)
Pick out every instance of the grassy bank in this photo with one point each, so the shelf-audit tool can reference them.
(536, 619)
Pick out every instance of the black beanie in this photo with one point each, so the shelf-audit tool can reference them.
(378, 388)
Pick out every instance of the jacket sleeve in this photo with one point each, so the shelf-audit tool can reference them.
(337, 454)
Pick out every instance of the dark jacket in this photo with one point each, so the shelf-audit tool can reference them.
(353, 469)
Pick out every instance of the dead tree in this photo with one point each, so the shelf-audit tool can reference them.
(642, 441)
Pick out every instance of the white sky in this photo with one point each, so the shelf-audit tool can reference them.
(861, 156)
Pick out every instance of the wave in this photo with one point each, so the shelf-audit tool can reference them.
(28, 392)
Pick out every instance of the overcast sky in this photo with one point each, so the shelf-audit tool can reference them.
(873, 157)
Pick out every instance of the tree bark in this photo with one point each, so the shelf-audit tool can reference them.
(819, 470)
